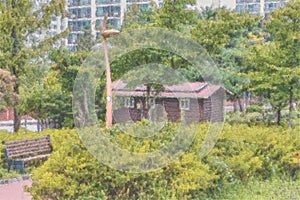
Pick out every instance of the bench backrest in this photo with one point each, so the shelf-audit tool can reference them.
(28, 147)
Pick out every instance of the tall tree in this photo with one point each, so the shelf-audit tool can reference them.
(174, 15)
(277, 67)
(18, 23)
(232, 64)
(285, 27)
(215, 27)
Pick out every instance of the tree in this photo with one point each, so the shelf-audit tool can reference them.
(267, 80)
(7, 82)
(285, 27)
(232, 65)
(277, 67)
(214, 28)
(46, 101)
(86, 40)
(174, 15)
(18, 23)
(136, 17)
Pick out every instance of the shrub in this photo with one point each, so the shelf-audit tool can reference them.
(242, 152)
(255, 108)
(7, 136)
(73, 173)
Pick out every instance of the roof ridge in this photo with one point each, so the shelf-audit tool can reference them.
(168, 88)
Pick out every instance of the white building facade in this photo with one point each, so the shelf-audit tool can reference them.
(90, 13)
(253, 7)
(259, 7)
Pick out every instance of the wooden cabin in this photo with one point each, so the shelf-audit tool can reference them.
(189, 101)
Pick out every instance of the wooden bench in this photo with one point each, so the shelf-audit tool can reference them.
(18, 152)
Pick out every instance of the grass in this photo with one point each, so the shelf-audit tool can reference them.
(277, 188)
(12, 174)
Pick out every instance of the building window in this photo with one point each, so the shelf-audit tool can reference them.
(144, 6)
(100, 2)
(114, 22)
(80, 13)
(253, 7)
(129, 102)
(184, 104)
(240, 8)
(113, 11)
(72, 38)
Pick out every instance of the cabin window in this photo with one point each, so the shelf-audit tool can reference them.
(129, 102)
(185, 104)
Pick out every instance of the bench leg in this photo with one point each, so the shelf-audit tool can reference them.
(9, 165)
(19, 164)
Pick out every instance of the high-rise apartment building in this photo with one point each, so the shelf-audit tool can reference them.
(229, 4)
(90, 13)
(253, 7)
(259, 7)
(57, 25)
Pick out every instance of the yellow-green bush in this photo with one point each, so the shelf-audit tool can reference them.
(72, 173)
(255, 151)
(240, 153)
(7, 136)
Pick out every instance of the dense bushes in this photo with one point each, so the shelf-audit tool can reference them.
(72, 172)
(241, 152)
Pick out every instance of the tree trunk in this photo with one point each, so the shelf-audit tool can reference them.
(245, 103)
(15, 50)
(38, 125)
(291, 107)
(17, 120)
(278, 119)
(234, 105)
(240, 104)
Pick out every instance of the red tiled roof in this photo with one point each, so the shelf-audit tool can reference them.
(184, 90)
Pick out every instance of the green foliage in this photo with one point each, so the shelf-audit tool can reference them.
(88, 177)
(136, 17)
(19, 23)
(277, 188)
(46, 100)
(174, 15)
(215, 31)
(242, 152)
(7, 83)
(86, 40)
(255, 108)
(6, 136)
(276, 69)
(252, 117)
